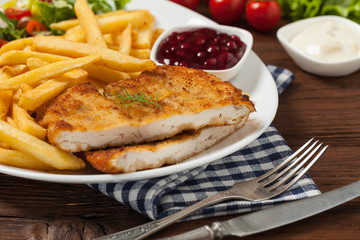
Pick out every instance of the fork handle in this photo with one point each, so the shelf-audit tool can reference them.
(147, 229)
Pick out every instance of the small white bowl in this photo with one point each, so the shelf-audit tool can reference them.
(226, 74)
(311, 64)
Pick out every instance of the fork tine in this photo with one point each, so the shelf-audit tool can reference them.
(295, 171)
(277, 168)
(293, 163)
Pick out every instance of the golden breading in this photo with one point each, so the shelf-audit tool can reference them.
(82, 119)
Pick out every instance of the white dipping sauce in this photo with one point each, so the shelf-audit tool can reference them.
(328, 42)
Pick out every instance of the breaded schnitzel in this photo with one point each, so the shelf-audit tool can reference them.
(187, 99)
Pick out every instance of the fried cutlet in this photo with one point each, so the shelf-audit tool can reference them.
(82, 119)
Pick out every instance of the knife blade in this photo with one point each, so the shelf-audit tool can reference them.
(273, 217)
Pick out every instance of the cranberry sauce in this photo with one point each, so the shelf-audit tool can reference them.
(202, 49)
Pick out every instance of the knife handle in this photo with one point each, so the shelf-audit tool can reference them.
(206, 232)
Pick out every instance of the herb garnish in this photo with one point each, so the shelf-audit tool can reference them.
(128, 99)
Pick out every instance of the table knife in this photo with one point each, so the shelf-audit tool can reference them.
(273, 217)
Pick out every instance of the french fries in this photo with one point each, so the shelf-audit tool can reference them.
(125, 40)
(5, 100)
(18, 44)
(144, 37)
(26, 123)
(49, 71)
(18, 159)
(95, 71)
(67, 24)
(99, 49)
(109, 58)
(42, 151)
(88, 23)
(34, 98)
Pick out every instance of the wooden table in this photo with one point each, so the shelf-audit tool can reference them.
(312, 106)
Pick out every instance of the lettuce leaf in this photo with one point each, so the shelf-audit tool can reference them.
(299, 9)
(8, 29)
(59, 10)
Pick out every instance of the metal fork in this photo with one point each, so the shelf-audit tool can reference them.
(264, 187)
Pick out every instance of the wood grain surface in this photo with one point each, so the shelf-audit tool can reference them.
(312, 106)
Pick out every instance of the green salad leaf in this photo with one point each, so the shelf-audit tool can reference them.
(8, 29)
(299, 9)
(59, 10)
(104, 6)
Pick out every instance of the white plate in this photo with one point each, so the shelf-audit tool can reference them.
(255, 79)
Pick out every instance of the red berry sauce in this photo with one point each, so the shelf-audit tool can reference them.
(202, 49)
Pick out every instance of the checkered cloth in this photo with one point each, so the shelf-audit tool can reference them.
(163, 196)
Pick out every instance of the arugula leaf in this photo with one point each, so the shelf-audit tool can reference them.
(8, 29)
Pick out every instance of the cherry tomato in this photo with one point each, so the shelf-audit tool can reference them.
(35, 26)
(263, 15)
(192, 4)
(227, 11)
(17, 13)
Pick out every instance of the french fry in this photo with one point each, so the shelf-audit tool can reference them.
(125, 40)
(18, 44)
(5, 100)
(25, 87)
(18, 159)
(88, 23)
(28, 48)
(144, 37)
(105, 74)
(67, 24)
(113, 23)
(34, 63)
(157, 32)
(17, 95)
(98, 84)
(38, 149)
(109, 38)
(15, 69)
(109, 58)
(140, 18)
(26, 123)
(140, 53)
(46, 72)
(33, 99)
(74, 76)
(99, 72)
(4, 75)
(75, 34)
(10, 121)
(133, 75)
(117, 37)
(20, 57)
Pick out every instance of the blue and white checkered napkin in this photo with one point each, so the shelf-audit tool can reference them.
(163, 196)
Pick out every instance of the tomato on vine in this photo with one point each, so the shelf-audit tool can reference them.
(263, 15)
(227, 11)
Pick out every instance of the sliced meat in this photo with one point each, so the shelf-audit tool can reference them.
(82, 119)
(156, 154)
